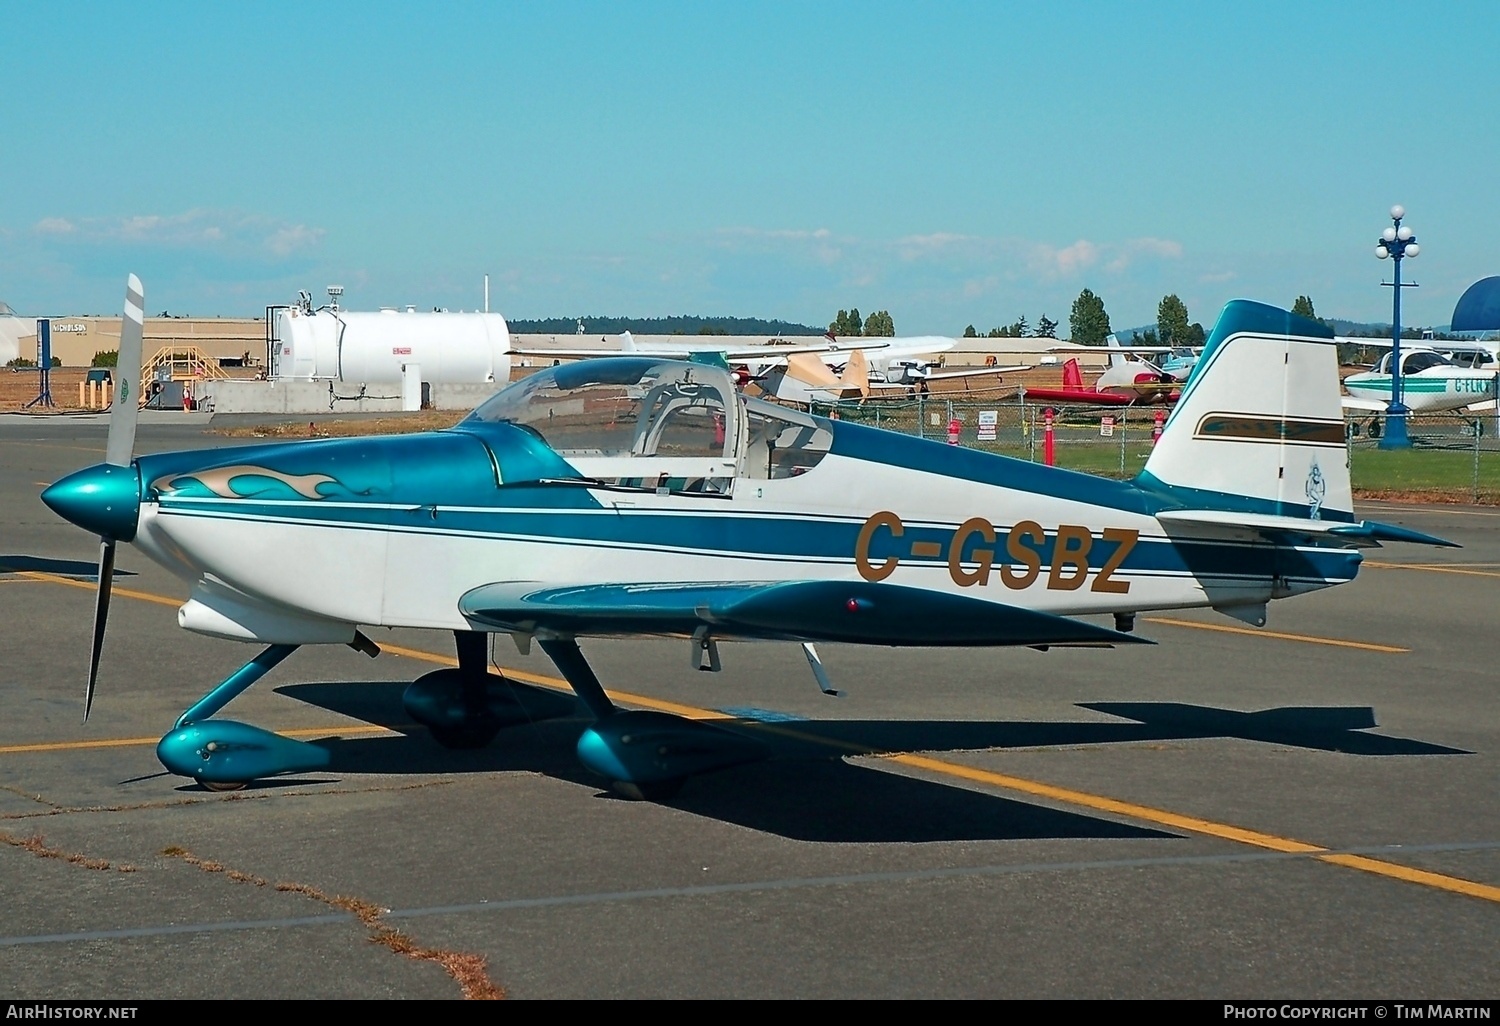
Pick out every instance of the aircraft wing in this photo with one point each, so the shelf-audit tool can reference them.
(743, 354)
(1350, 402)
(767, 351)
(1069, 395)
(835, 611)
(974, 372)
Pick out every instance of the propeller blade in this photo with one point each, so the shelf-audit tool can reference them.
(123, 411)
(101, 615)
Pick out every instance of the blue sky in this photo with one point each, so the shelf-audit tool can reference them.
(953, 163)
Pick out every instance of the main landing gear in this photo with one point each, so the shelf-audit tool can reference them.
(644, 755)
(466, 707)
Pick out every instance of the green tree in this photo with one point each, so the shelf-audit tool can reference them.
(1148, 339)
(847, 323)
(1172, 321)
(1046, 327)
(1196, 336)
(1088, 323)
(1303, 308)
(106, 358)
(880, 325)
(969, 332)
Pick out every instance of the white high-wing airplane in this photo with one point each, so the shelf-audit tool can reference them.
(640, 496)
(803, 372)
(804, 378)
(1431, 382)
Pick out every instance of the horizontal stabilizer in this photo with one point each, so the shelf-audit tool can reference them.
(1363, 533)
(837, 611)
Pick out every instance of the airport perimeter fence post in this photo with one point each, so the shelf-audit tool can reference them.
(1478, 430)
(921, 416)
(1124, 419)
(1028, 429)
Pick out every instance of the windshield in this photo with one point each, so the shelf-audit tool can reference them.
(632, 406)
(1422, 361)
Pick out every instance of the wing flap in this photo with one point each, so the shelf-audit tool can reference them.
(856, 612)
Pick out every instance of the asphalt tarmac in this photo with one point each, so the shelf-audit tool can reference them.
(1305, 811)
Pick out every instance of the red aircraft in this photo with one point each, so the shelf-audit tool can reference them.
(1124, 382)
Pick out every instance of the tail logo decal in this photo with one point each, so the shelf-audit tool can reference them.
(1316, 488)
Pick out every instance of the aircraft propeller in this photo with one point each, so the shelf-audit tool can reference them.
(119, 450)
(105, 498)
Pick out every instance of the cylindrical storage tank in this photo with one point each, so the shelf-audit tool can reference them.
(452, 348)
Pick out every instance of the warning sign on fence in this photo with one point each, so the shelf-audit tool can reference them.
(1106, 426)
(987, 425)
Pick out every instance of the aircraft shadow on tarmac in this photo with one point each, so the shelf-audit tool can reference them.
(61, 567)
(807, 791)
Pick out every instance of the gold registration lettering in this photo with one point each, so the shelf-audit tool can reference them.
(870, 571)
(1124, 540)
(1070, 552)
(1019, 552)
(984, 557)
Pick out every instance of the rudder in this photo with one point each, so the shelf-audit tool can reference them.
(1259, 426)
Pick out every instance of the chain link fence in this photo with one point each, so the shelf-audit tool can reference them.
(1453, 456)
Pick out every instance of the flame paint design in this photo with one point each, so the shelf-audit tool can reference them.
(218, 481)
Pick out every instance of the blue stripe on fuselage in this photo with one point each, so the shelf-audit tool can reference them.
(790, 537)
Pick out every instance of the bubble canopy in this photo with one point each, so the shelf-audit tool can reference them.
(627, 406)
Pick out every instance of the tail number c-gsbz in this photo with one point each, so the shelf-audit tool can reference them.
(1022, 564)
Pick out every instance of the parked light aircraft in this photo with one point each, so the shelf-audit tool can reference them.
(802, 373)
(1128, 379)
(637, 496)
(1430, 383)
(804, 378)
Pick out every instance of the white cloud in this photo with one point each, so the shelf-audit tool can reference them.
(218, 230)
(1127, 252)
(286, 240)
(816, 244)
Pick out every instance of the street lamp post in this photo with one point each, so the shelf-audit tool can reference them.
(1396, 243)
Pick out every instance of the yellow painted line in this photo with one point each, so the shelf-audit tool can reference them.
(558, 684)
(1417, 876)
(74, 746)
(144, 596)
(1368, 646)
(136, 742)
(1144, 813)
(1433, 568)
(1192, 824)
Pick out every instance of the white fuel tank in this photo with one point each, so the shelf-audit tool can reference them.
(338, 345)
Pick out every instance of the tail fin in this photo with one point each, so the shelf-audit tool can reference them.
(856, 376)
(1072, 375)
(1113, 342)
(1259, 427)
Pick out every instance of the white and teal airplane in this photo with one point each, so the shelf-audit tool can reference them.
(639, 496)
(1431, 381)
